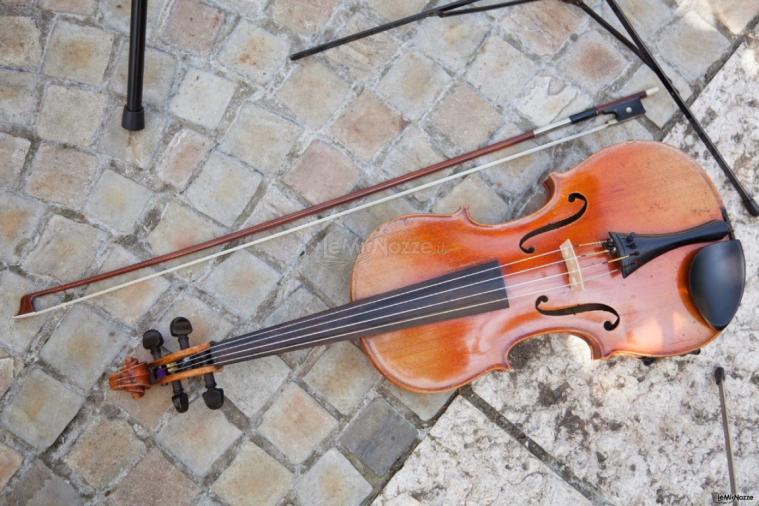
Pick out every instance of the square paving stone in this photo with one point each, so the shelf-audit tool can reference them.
(198, 437)
(332, 481)
(378, 436)
(116, 14)
(62, 175)
(305, 18)
(254, 52)
(465, 118)
(425, 406)
(76, 52)
(501, 71)
(691, 45)
(10, 461)
(154, 480)
(250, 385)
(260, 138)
(367, 125)
(365, 57)
(322, 173)
(82, 345)
(183, 155)
(19, 217)
(477, 197)
(132, 147)
(328, 266)
(160, 72)
(313, 79)
(253, 477)
(117, 201)
(83, 7)
(65, 250)
(451, 41)
(342, 375)
(547, 97)
(193, 26)
(16, 334)
(19, 41)
(104, 450)
(70, 115)
(223, 188)
(296, 424)
(40, 409)
(544, 27)
(18, 98)
(40, 486)
(414, 150)
(12, 156)
(413, 83)
(242, 282)
(202, 98)
(593, 62)
(180, 227)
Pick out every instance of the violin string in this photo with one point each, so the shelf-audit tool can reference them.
(252, 353)
(186, 365)
(260, 333)
(327, 218)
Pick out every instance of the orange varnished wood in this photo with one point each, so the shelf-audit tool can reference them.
(189, 373)
(643, 187)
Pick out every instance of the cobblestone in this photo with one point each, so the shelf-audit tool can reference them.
(61, 175)
(332, 480)
(193, 26)
(250, 386)
(691, 44)
(183, 156)
(13, 152)
(254, 52)
(78, 52)
(19, 41)
(242, 282)
(322, 173)
(367, 125)
(10, 461)
(313, 79)
(18, 97)
(465, 118)
(413, 83)
(39, 485)
(18, 218)
(154, 479)
(70, 115)
(131, 147)
(160, 72)
(202, 98)
(117, 201)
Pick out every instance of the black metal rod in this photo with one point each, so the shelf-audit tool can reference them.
(748, 201)
(719, 377)
(134, 114)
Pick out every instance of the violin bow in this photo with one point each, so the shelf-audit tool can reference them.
(636, 46)
(621, 109)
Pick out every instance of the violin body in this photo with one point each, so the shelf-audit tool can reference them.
(645, 187)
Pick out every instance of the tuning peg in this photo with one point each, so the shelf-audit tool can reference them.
(179, 399)
(152, 340)
(181, 328)
(213, 396)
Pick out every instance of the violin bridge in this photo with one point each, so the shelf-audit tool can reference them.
(573, 265)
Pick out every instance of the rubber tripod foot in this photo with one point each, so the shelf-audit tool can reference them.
(133, 120)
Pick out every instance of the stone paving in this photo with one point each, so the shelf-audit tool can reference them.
(237, 134)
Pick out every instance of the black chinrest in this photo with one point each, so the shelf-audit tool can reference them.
(716, 279)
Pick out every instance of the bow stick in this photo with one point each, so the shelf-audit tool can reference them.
(621, 109)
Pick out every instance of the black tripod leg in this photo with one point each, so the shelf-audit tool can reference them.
(134, 114)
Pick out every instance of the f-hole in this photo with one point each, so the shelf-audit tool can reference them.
(557, 224)
(579, 308)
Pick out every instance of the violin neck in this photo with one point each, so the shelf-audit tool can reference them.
(466, 292)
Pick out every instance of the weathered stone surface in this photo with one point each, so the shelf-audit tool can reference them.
(378, 436)
(183, 155)
(18, 97)
(691, 45)
(65, 250)
(328, 266)
(223, 188)
(82, 345)
(10, 461)
(154, 480)
(308, 80)
(148, 409)
(70, 115)
(342, 376)
(660, 107)
(296, 424)
(364, 57)
(452, 41)
(16, 334)
(306, 18)
(202, 98)
(466, 459)
(18, 218)
(465, 118)
(365, 224)
(647, 16)
(253, 478)
(19, 41)
(83, 7)
(250, 385)
(260, 138)
(322, 173)
(160, 71)
(116, 14)
(7, 372)
(735, 14)
(254, 52)
(61, 175)
(131, 147)
(244, 7)
(76, 52)
(40, 486)
(198, 437)
(103, 450)
(501, 71)
(193, 26)
(12, 156)
(478, 198)
(242, 282)
(117, 201)
(395, 9)
(332, 480)
(543, 28)
(367, 125)
(548, 97)
(40, 409)
(593, 61)
(413, 83)
(414, 150)
(425, 406)
(180, 227)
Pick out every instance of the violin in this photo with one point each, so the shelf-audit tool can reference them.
(632, 252)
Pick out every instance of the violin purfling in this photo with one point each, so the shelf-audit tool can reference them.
(632, 252)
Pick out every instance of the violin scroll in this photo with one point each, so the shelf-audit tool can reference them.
(134, 378)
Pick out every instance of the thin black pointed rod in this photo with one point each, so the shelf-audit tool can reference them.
(636, 46)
